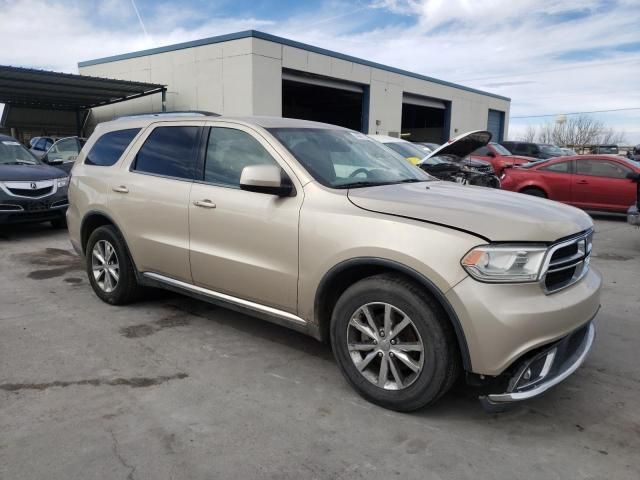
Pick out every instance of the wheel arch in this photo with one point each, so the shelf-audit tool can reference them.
(346, 273)
(535, 186)
(94, 219)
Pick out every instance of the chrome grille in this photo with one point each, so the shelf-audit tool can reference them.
(567, 262)
(37, 192)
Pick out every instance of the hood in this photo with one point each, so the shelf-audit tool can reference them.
(495, 215)
(29, 172)
(462, 145)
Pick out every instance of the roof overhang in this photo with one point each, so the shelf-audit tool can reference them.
(40, 89)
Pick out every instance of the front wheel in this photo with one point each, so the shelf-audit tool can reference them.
(393, 343)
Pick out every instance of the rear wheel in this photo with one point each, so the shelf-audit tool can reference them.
(534, 191)
(109, 268)
(394, 344)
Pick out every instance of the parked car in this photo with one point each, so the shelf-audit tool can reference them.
(499, 157)
(40, 146)
(63, 152)
(30, 191)
(541, 151)
(412, 152)
(634, 154)
(606, 149)
(429, 145)
(586, 181)
(446, 164)
(319, 228)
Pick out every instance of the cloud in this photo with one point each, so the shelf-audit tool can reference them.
(549, 56)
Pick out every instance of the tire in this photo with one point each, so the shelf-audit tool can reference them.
(125, 289)
(439, 362)
(59, 223)
(534, 191)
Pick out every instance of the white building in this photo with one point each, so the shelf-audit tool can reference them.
(254, 73)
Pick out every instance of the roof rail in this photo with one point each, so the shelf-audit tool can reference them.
(180, 113)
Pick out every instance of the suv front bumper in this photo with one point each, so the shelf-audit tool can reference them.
(537, 373)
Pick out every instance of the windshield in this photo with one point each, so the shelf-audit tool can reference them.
(408, 150)
(500, 149)
(13, 153)
(551, 150)
(346, 159)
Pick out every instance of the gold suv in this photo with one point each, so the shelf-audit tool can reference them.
(323, 230)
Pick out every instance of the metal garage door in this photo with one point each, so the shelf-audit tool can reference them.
(495, 124)
(323, 99)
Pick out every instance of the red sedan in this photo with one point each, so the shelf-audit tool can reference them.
(592, 182)
(499, 157)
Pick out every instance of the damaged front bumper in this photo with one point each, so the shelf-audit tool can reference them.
(538, 373)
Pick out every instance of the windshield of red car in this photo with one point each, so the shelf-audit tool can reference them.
(500, 149)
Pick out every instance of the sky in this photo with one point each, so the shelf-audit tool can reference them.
(549, 56)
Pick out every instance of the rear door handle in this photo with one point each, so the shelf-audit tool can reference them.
(206, 203)
(120, 189)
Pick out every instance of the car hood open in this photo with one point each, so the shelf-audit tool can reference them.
(491, 214)
(29, 172)
(462, 145)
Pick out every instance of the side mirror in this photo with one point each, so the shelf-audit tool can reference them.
(491, 154)
(634, 176)
(267, 179)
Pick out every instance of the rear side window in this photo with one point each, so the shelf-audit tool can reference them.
(560, 167)
(169, 152)
(109, 147)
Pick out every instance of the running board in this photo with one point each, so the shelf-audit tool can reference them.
(271, 313)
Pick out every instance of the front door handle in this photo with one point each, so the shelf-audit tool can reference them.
(120, 189)
(583, 182)
(206, 203)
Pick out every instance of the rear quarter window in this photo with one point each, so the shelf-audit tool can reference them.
(109, 147)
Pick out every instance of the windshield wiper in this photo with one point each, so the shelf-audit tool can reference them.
(412, 180)
(362, 183)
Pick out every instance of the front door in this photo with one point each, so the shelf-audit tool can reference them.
(243, 244)
(602, 185)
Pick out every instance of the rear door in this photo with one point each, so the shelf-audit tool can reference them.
(556, 179)
(244, 244)
(601, 184)
(150, 197)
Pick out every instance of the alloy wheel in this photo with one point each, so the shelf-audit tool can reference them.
(385, 346)
(105, 266)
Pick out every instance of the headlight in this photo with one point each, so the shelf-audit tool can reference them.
(505, 263)
(63, 182)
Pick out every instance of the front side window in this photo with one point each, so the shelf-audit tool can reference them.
(228, 152)
(481, 152)
(40, 145)
(346, 159)
(560, 167)
(601, 168)
(169, 152)
(109, 147)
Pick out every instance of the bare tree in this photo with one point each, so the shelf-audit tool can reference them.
(576, 131)
(529, 134)
(610, 137)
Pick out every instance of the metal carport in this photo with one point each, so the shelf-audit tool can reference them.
(33, 97)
